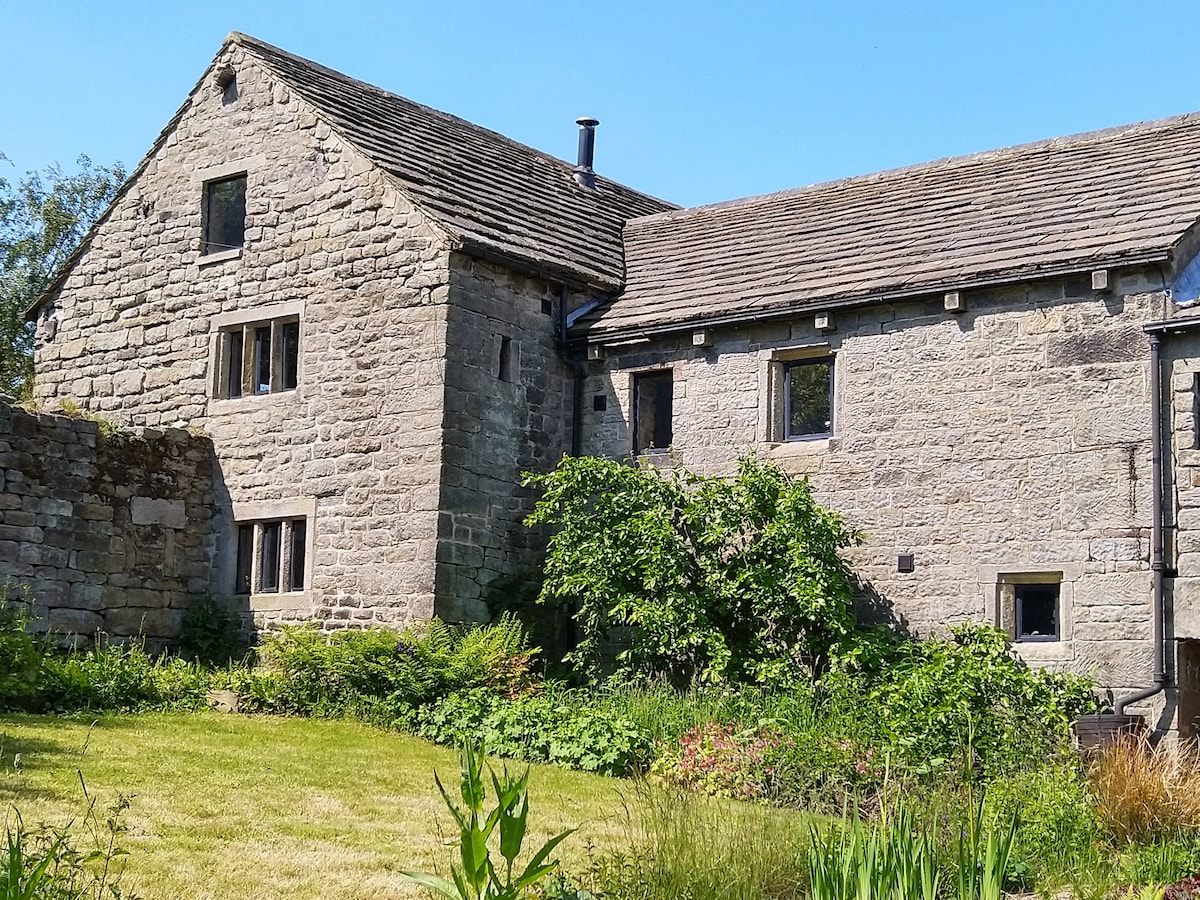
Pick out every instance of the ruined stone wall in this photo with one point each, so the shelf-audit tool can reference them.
(103, 533)
(134, 334)
(507, 412)
(1008, 440)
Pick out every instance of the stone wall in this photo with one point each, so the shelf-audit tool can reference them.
(134, 334)
(506, 413)
(1008, 440)
(101, 532)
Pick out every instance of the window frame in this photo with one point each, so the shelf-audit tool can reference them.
(1019, 589)
(262, 568)
(236, 356)
(1008, 584)
(209, 246)
(787, 366)
(637, 380)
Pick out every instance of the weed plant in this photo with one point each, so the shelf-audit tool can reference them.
(483, 873)
(121, 678)
(380, 675)
(20, 656)
(46, 862)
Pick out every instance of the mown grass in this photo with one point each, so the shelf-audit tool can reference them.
(271, 808)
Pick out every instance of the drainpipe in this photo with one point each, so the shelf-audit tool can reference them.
(578, 373)
(1157, 565)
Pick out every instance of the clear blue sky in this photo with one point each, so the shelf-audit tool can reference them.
(698, 102)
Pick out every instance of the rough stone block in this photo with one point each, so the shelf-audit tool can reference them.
(75, 621)
(154, 511)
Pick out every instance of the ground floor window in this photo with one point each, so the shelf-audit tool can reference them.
(271, 556)
(1037, 612)
(1031, 606)
(258, 358)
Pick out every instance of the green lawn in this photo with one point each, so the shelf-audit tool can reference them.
(258, 807)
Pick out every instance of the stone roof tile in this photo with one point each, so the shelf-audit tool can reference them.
(492, 193)
(1070, 204)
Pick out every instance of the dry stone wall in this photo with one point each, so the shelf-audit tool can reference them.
(1011, 439)
(103, 533)
(355, 449)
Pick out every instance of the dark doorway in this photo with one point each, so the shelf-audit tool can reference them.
(1188, 679)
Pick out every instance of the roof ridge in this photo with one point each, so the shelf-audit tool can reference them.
(251, 43)
(1061, 142)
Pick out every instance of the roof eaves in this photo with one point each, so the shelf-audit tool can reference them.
(584, 331)
(532, 265)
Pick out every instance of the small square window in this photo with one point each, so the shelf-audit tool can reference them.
(258, 358)
(653, 396)
(808, 399)
(271, 556)
(224, 214)
(1037, 612)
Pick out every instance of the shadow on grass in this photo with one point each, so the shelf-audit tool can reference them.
(20, 755)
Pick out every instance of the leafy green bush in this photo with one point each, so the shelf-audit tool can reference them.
(1059, 828)
(121, 678)
(935, 697)
(20, 657)
(379, 675)
(557, 726)
(211, 633)
(715, 579)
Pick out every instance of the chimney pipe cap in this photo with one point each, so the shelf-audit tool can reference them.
(587, 122)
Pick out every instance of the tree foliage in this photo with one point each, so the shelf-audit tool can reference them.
(43, 218)
(737, 579)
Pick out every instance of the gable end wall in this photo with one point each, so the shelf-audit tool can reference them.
(134, 338)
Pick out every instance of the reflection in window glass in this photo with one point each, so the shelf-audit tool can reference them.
(808, 398)
(653, 394)
(224, 214)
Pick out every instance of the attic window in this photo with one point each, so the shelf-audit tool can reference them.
(224, 214)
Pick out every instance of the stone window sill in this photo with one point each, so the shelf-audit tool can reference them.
(249, 402)
(1037, 652)
(207, 259)
(786, 449)
(288, 601)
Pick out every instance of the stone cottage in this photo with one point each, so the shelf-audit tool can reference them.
(379, 315)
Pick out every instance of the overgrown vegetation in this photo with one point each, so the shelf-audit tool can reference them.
(744, 678)
(46, 862)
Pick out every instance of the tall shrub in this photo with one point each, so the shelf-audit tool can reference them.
(737, 579)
